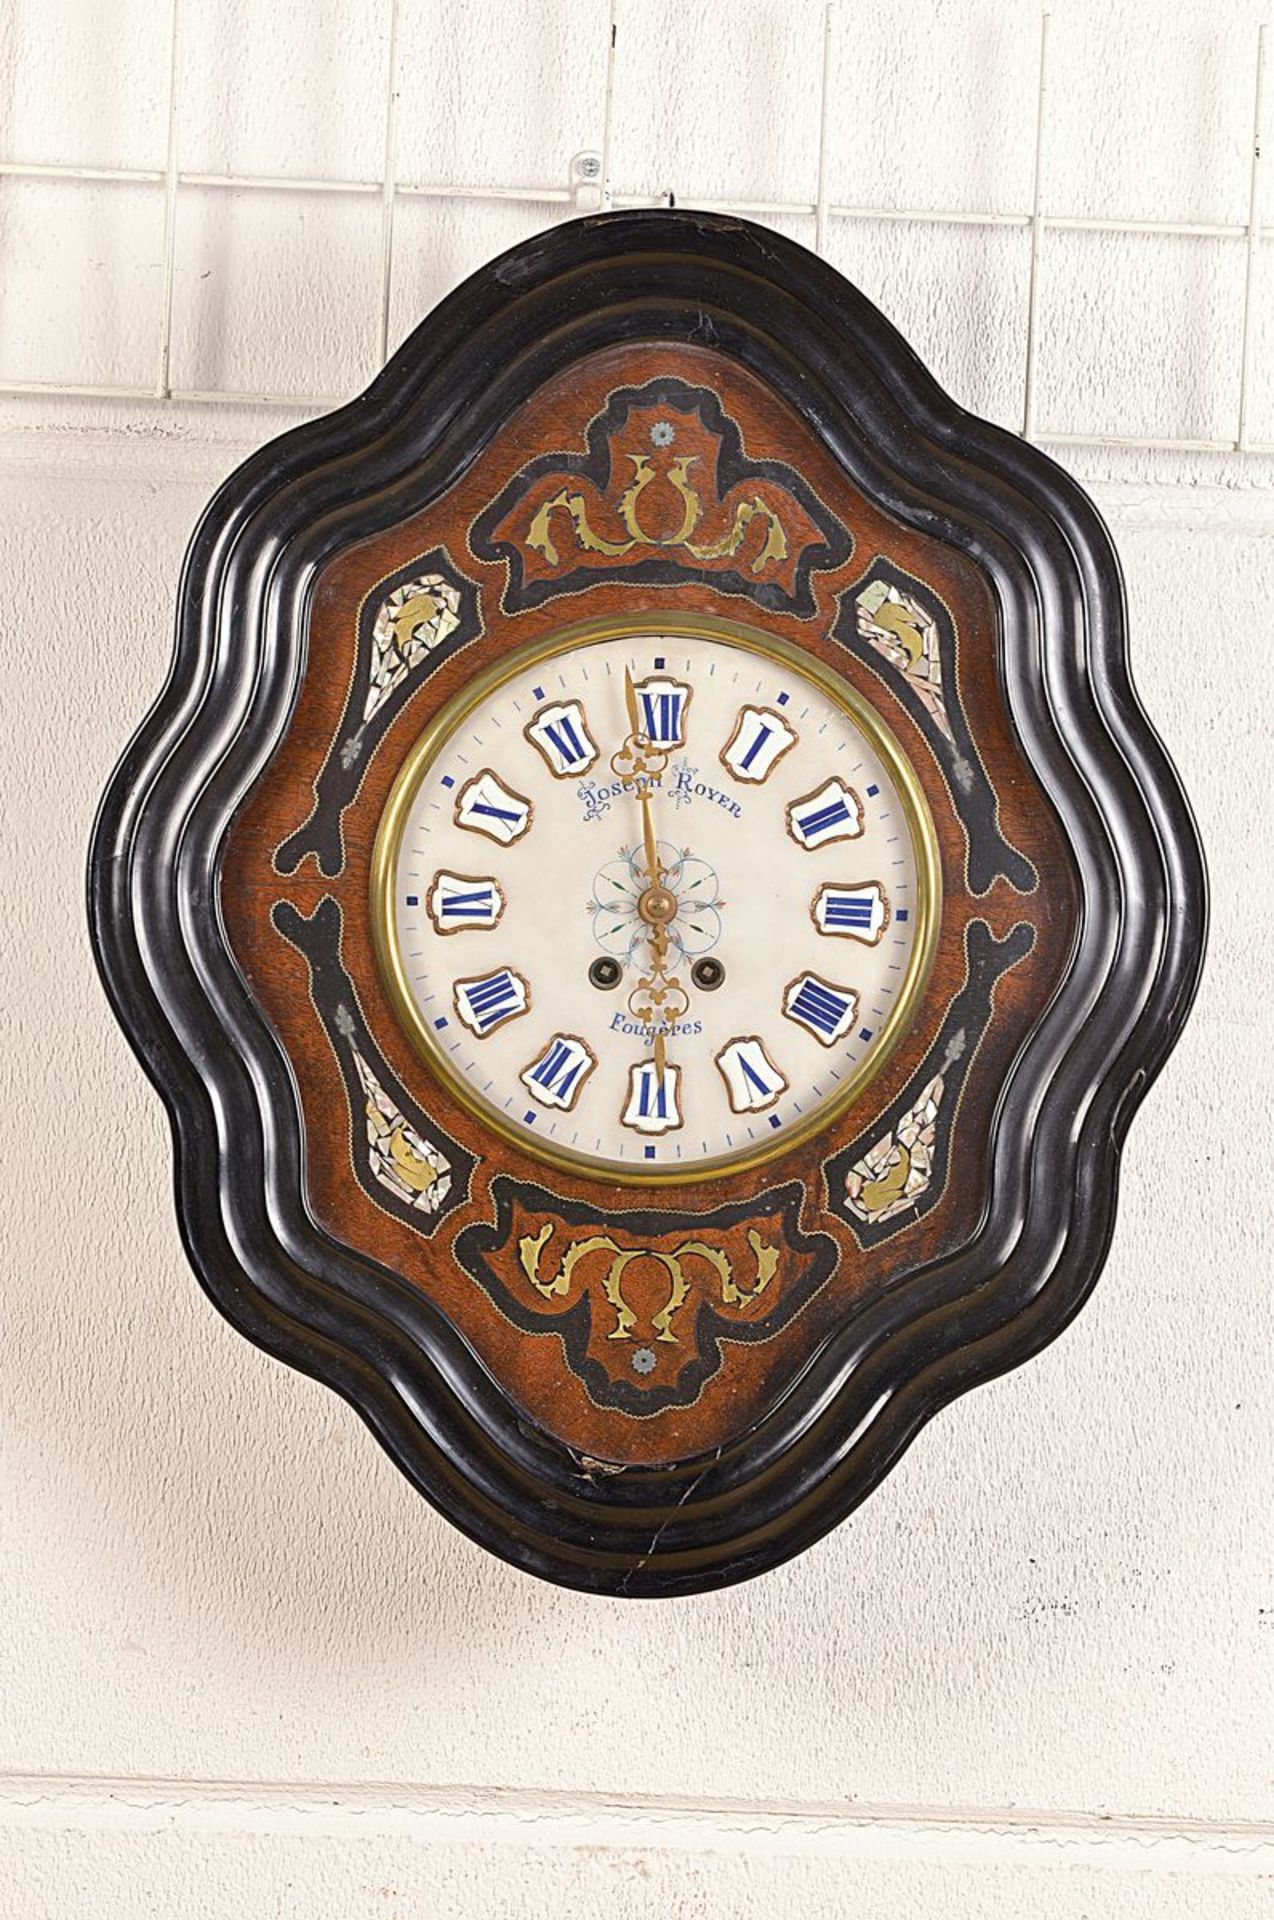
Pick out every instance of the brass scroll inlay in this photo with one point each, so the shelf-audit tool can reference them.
(734, 1291)
(540, 534)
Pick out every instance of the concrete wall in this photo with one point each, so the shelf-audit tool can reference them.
(243, 1670)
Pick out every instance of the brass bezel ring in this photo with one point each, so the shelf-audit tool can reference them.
(449, 718)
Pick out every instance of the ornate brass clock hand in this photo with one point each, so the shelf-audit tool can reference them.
(634, 715)
(654, 872)
(659, 998)
(634, 743)
(657, 906)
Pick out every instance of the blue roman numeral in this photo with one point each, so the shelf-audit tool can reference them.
(566, 741)
(763, 734)
(759, 1081)
(752, 1080)
(652, 1096)
(478, 905)
(558, 1070)
(831, 815)
(486, 800)
(818, 1006)
(491, 1000)
(661, 716)
(848, 910)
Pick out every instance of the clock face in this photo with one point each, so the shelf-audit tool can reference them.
(656, 901)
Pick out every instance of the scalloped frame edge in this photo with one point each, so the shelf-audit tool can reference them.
(682, 277)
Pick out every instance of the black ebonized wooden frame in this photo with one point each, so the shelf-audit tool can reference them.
(678, 276)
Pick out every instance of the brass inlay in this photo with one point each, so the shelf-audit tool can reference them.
(413, 1169)
(540, 537)
(733, 1294)
(879, 1194)
(904, 626)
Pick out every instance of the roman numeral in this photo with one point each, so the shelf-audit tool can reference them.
(833, 813)
(487, 806)
(760, 739)
(556, 1077)
(752, 1080)
(561, 734)
(459, 900)
(662, 706)
(827, 1011)
(488, 1001)
(861, 912)
(652, 1101)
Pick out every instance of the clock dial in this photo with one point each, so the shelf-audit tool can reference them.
(656, 901)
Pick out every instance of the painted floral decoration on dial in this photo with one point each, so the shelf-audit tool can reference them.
(615, 906)
(636, 1007)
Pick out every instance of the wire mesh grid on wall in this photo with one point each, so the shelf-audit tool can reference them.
(1046, 314)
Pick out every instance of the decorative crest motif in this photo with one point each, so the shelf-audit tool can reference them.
(665, 491)
(673, 1260)
(642, 1301)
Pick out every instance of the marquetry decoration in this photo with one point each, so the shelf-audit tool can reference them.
(646, 1314)
(901, 628)
(661, 490)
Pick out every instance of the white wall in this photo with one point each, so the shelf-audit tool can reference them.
(243, 1670)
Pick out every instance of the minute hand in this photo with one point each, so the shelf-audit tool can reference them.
(658, 932)
(654, 873)
(653, 868)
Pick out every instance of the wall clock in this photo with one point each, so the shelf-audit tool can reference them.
(651, 901)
